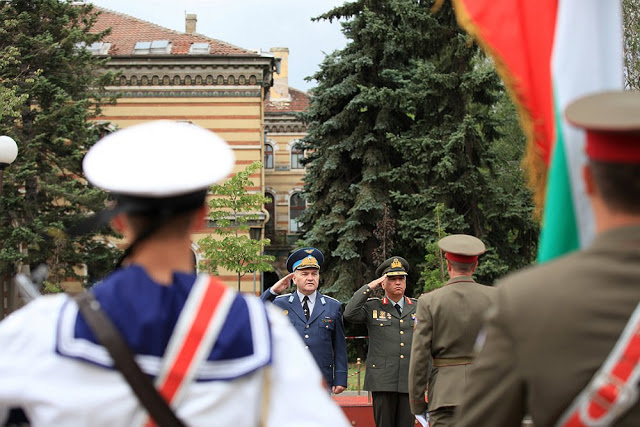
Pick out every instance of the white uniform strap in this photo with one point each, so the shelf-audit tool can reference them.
(614, 388)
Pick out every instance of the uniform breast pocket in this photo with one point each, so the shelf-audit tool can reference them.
(327, 324)
(376, 363)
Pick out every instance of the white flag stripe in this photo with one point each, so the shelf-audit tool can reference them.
(587, 58)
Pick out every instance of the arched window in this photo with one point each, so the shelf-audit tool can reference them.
(268, 156)
(270, 226)
(297, 156)
(297, 205)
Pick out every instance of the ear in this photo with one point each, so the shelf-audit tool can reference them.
(590, 187)
(199, 219)
(118, 223)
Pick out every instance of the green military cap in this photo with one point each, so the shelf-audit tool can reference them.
(394, 266)
(462, 248)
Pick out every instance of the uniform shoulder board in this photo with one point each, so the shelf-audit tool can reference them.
(328, 297)
(373, 299)
(283, 295)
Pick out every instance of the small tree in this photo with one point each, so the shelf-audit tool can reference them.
(433, 274)
(385, 232)
(232, 207)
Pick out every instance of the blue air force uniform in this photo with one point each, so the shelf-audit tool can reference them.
(323, 333)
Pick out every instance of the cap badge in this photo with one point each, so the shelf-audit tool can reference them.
(309, 251)
(396, 263)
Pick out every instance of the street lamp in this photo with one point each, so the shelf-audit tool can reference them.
(8, 153)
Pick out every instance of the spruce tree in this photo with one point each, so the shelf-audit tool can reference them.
(60, 90)
(355, 109)
(408, 115)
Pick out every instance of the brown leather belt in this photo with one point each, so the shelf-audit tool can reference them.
(452, 361)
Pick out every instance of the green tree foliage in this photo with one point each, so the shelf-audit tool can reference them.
(411, 115)
(10, 101)
(231, 208)
(631, 20)
(59, 89)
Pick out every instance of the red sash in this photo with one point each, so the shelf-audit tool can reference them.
(195, 332)
(614, 388)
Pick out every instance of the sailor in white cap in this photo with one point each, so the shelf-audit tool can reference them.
(216, 356)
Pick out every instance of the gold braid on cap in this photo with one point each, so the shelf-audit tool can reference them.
(308, 261)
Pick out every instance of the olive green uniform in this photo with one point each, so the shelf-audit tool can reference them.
(554, 326)
(390, 336)
(448, 322)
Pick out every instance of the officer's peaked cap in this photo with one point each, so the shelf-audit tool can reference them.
(394, 266)
(305, 258)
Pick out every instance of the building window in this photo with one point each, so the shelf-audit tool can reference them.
(297, 206)
(268, 156)
(270, 226)
(297, 156)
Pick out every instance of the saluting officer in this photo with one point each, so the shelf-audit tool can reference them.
(390, 324)
(562, 343)
(448, 322)
(316, 317)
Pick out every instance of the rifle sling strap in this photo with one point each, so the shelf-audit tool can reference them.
(107, 334)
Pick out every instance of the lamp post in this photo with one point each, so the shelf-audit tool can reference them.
(8, 153)
(255, 233)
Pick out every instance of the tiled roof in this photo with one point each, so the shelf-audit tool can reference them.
(299, 102)
(126, 31)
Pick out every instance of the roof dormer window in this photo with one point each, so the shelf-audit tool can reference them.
(199, 48)
(153, 47)
(96, 48)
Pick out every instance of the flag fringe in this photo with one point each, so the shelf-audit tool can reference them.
(532, 162)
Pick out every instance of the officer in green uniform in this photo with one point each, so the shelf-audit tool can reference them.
(390, 324)
(447, 325)
(555, 325)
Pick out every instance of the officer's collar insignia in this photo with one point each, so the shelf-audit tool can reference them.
(309, 251)
(396, 264)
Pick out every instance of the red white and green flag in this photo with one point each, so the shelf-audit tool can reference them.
(550, 52)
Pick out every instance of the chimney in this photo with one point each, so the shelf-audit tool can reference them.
(190, 23)
(280, 89)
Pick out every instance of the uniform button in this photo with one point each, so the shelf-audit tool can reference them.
(307, 326)
(401, 321)
(306, 346)
(401, 332)
(401, 344)
(306, 336)
(373, 366)
(402, 356)
(381, 324)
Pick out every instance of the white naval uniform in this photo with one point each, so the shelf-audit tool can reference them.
(58, 380)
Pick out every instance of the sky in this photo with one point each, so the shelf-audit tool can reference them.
(251, 24)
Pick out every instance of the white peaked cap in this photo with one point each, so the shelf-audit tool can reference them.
(158, 159)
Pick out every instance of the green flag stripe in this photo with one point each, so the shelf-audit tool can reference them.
(559, 233)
